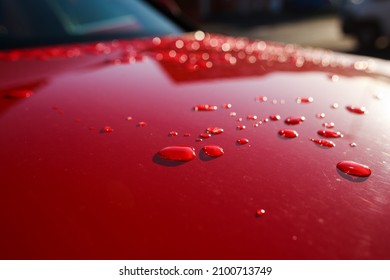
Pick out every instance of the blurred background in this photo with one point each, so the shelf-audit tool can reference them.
(352, 26)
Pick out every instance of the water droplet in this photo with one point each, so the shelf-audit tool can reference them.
(205, 107)
(334, 106)
(294, 120)
(214, 130)
(198, 140)
(129, 118)
(19, 94)
(241, 127)
(226, 105)
(328, 124)
(274, 117)
(320, 115)
(187, 134)
(305, 99)
(251, 117)
(357, 110)
(156, 41)
(334, 78)
(323, 142)
(178, 153)
(242, 141)
(261, 98)
(205, 135)
(107, 129)
(354, 168)
(264, 120)
(288, 133)
(353, 144)
(330, 134)
(173, 133)
(232, 114)
(260, 212)
(213, 151)
(142, 124)
(239, 119)
(199, 35)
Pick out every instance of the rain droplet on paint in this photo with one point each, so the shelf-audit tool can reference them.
(260, 212)
(323, 142)
(213, 150)
(107, 129)
(129, 118)
(353, 144)
(320, 115)
(288, 133)
(328, 124)
(226, 105)
(251, 117)
(205, 135)
(241, 127)
(232, 114)
(142, 124)
(242, 141)
(354, 168)
(177, 153)
(261, 98)
(274, 117)
(205, 107)
(357, 110)
(173, 133)
(330, 134)
(294, 120)
(305, 100)
(19, 94)
(214, 130)
(334, 106)
(187, 134)
(198, 140)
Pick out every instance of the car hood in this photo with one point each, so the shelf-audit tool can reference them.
(106, 151)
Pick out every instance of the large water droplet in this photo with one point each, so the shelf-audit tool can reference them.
(294, 120)
(213, 151)
(205, 107)
(242, 141)
(354, 168)
(214, 130)
(178, 153)
(330, 134)
(288, 133)
(305, 99)
(323, 142)
(357, 110)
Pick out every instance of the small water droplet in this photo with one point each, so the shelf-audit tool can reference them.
(173, 133)
(205, 135)
(214, 130)
(334, 106)
(357, 110)
(320, 115)
(187, 134)
(241, 127)
(213, 151)
(330, 134)
(198, 140)
(178, 153)
(323, 142)
(129, 118)
(354, 168)
(274, 117)
(19, 94)
(260, 212)
(205, 107)
(294, 120)
(334, 78)
(261, 98)
(353, 144)
(288, 133)
(251, 117)
(142, 124)
(239, 119)
(226, 105)
(328, 124)
(305, 99)
(242, 141)
(232, 114)
(107, 129)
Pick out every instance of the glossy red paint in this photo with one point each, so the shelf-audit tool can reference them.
(71, 192)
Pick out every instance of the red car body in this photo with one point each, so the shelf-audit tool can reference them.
(83, 175)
